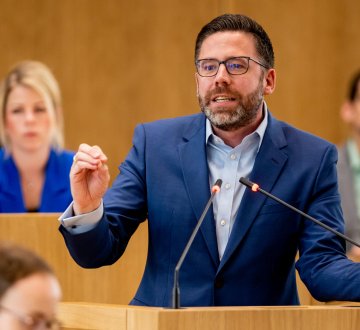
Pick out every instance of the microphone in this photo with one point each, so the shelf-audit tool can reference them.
(176, 289)
(255, 187)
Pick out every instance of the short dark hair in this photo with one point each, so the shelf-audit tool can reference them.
(17, 263)
(354, 86)
(242, 23)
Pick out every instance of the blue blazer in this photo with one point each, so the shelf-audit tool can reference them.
(56, 194)
(165, 179)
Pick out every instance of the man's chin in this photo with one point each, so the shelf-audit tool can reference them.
(220, 114)
(224, 122)
(226, 126)
(222, 108)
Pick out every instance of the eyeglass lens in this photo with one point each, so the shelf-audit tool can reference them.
(210, 67)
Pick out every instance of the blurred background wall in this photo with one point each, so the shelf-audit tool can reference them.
(120, 62)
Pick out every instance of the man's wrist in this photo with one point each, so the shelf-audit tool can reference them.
(78, 209)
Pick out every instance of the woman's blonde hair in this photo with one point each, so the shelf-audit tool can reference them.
(39, 77)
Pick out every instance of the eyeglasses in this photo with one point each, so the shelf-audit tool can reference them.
(209, 67)
(34, 322)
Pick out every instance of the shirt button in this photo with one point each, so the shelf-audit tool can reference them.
(222, 222)
(233, 156)
(227, 186)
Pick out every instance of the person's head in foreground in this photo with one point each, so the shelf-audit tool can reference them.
(29, 290)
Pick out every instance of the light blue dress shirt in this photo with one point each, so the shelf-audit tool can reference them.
(230, 164)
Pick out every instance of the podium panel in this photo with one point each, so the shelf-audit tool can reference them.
(248, 318)
(112, 317)
(86, 316)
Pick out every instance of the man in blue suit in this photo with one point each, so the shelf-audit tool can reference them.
(245, 251)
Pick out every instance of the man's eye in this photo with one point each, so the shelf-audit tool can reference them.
(209, 67)
(235, 66)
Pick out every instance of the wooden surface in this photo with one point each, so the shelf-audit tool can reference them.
(76, 316)
(114, 284)
(102, 317)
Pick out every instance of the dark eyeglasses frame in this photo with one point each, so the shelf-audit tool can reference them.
(225, 62)
(30, 321)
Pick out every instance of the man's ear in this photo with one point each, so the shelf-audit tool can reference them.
(197, 83)
(346, 112)
(269, 81)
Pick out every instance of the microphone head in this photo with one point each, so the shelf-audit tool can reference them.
(216, 187)
(253, 186)
(246, 182)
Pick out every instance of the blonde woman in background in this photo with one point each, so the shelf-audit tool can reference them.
(29, 290)
(34, 169)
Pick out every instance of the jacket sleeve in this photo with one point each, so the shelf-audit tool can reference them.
(323, 265)
(125, 208)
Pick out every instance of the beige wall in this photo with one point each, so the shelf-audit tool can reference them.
(120, 62)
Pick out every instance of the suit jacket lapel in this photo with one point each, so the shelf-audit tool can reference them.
(196, 176)
(268, 165)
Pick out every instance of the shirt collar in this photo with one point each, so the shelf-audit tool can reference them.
(260, 131)
(354, 156)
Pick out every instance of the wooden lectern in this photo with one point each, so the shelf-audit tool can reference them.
(116, 317)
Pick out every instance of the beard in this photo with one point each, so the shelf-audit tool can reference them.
(231, 119)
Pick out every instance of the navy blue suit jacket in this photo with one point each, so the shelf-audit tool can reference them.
(56, 194)
(165, 179)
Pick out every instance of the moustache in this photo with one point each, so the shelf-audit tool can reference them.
(221, 90)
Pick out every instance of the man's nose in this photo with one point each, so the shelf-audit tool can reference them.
(222, 76)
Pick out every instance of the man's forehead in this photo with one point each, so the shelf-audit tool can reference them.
(228, 41)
